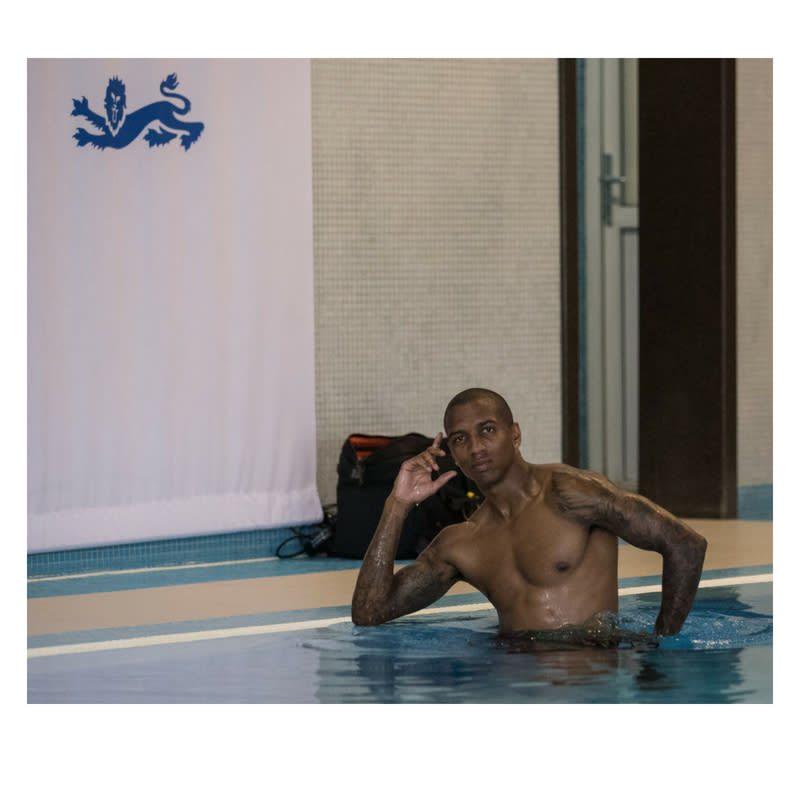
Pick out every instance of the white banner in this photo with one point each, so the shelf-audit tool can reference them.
(170, 299)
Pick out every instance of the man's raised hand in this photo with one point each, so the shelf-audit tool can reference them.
(414, 482)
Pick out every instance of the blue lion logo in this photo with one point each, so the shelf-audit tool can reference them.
(120, 129)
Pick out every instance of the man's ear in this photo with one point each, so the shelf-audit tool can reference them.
(516, 434)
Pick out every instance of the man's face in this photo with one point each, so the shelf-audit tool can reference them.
(482, 445)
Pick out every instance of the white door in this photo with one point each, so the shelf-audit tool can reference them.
(611, 219)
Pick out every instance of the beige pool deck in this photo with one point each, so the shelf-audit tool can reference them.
(732, 544)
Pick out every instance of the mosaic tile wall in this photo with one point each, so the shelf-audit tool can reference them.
(207, 549)
(436, 246)
(754, 275)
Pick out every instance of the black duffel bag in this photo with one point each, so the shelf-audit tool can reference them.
(368, 466)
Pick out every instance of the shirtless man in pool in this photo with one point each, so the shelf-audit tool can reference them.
(542, 546)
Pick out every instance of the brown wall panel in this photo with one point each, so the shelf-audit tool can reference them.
(570, 310)
(687, 285)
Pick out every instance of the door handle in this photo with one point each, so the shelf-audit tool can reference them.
(608, 180)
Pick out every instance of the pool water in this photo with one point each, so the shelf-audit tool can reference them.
(722, 655)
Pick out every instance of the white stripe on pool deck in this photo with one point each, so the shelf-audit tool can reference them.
(283, 627)
(77, 575)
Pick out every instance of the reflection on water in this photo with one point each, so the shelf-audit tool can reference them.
(410, 673)
(722, 655)
(601, 630)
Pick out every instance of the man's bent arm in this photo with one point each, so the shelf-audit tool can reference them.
(380, 593)
(642, 523)
(683, 566)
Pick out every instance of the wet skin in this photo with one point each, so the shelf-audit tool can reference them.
(538, 569)
(542, 547)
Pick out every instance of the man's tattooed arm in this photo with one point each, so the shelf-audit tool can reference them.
(595, 501)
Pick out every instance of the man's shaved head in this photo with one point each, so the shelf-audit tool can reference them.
(502, 410)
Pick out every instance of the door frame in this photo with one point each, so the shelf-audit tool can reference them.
(710, 488)
(571, 324)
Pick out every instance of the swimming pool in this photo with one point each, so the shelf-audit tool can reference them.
(447, 654)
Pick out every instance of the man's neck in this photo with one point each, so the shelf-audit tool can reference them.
(516, 488)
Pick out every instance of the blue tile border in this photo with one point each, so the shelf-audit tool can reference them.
(119, 580)
(755, 502)
(727, 572)
(326, 612)
(165, 552)
(162, 628)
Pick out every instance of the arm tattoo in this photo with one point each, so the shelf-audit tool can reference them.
(588, 498)
(594, 501)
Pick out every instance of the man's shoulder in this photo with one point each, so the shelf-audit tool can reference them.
(549, 472)
(544, 472)
(450, 541)
(457, 531)
(562, 481)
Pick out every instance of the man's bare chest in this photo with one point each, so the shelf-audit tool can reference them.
(544, 543)
(537, 548)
